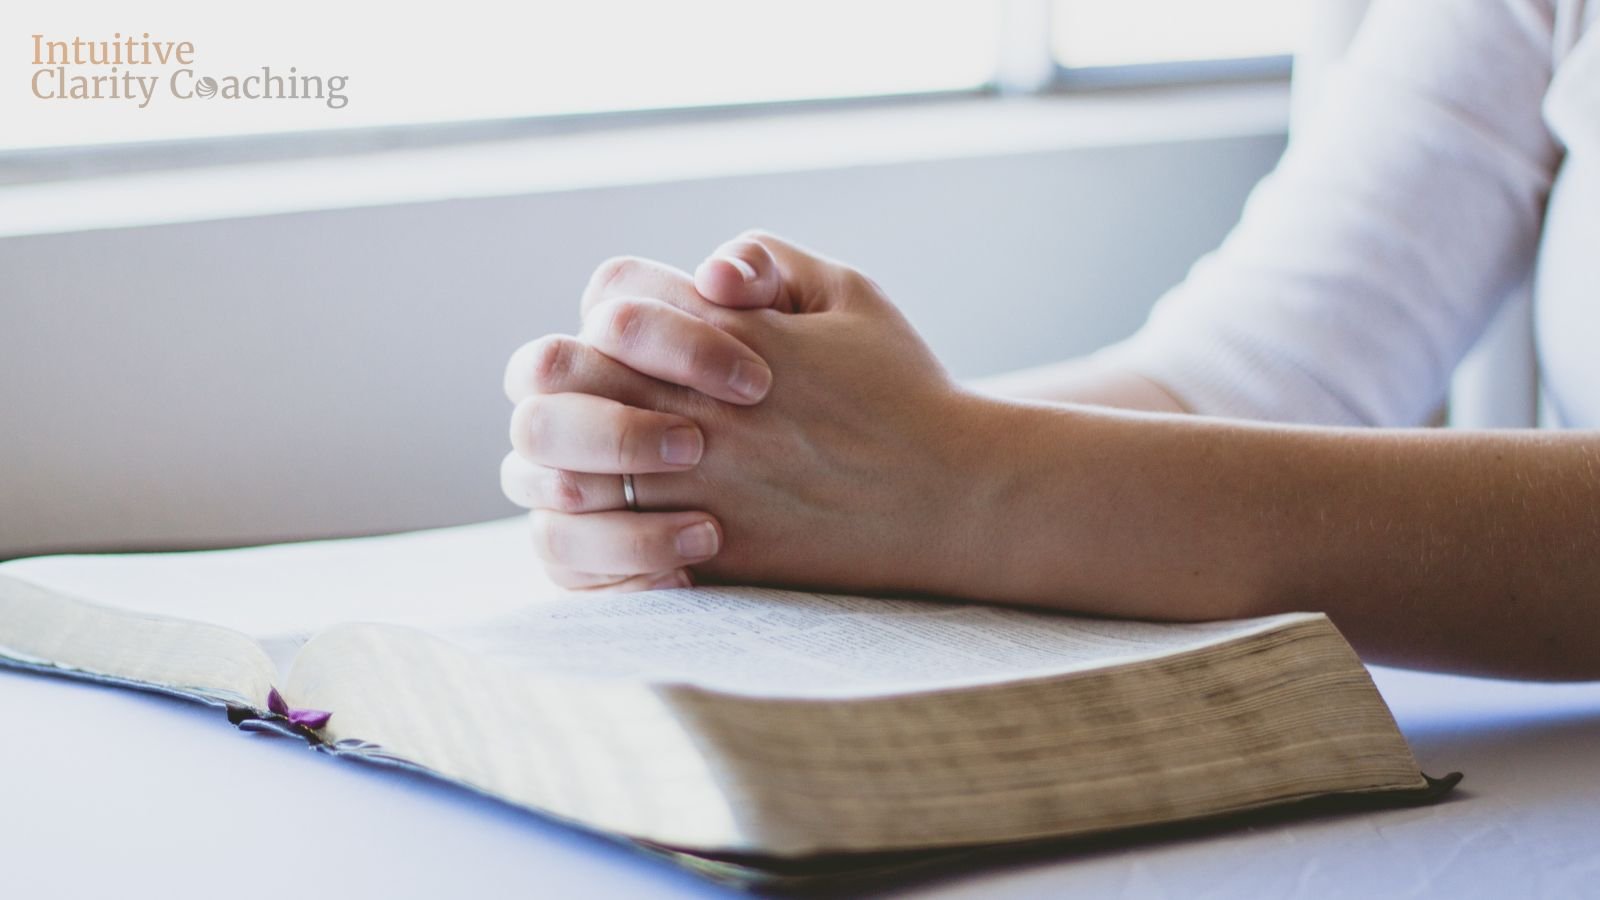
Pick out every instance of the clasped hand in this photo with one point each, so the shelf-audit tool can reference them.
(782, 422)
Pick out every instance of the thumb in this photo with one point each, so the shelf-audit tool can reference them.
(759, 270)
(742, 274)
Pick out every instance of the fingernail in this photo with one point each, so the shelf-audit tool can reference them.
(681, 446)
(746, 271)
(698, 541)
(750, 380)
(677, 579)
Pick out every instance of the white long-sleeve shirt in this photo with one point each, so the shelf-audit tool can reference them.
(1454, 154)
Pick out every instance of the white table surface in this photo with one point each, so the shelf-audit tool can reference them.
(110, 793)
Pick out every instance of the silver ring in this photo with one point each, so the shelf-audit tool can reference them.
(628, 495)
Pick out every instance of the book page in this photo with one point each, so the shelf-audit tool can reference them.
(482, 586)
(285, 592)
(768, 641)
(281, 595)
(41, 629)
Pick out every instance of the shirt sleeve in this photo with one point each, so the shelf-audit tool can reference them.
(1400, 218)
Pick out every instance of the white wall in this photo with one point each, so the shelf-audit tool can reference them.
(338, 372)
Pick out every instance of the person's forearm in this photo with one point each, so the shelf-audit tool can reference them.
(1468, 551)
(1089, 380)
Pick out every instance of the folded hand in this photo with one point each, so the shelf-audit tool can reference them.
(781, 420)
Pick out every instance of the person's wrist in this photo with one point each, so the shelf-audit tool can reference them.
(974, 474)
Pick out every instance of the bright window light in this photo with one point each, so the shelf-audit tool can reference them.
(360, 64)
(1091, 33)
(481, 59)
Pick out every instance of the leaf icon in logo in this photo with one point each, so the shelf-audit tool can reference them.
(206, 87)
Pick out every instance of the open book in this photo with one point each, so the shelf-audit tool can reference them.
(756, 724)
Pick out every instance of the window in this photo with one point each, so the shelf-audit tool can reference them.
(1102, 33)
(101, 72)
(475, 60)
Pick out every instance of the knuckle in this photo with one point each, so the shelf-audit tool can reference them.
(614, 270)
(852, 282)
(528, 432)
(643, 549)
(626, 431)
(551, 362)
(854, 279)
(702, 357)
(625, 322)
(755, 235)
(566, 491)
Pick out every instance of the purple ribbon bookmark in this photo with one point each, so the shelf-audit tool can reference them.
(305, 718)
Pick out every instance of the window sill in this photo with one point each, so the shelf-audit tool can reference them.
(796, 141)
